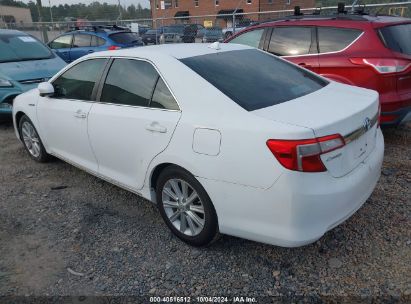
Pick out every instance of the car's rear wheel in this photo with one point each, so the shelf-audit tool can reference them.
(185, 207)
(31, 140)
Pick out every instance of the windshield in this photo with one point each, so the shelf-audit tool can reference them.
(397, 38)
(124, 37)
(20, 47)
(254, 79)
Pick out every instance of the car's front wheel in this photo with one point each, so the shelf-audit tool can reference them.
(185, 207)
(31, 140)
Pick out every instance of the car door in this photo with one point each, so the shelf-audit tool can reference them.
(63, 116)
(61, 45)
(132, 121)
(297, 44)
(81, 46)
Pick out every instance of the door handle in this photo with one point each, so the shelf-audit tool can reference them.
(156, 127)
(80, 114)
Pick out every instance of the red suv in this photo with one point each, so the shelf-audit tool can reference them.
(368, 51)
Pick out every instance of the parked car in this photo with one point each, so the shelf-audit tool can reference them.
(367, 51)
(24, 63)
(152, 36)
(254, 147)
(75, 44)
(213, 34)
(172, 34)
(193, 31)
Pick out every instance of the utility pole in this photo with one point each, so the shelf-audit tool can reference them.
(235, 11)
(119, 10)
(43, 29)
(51, 12)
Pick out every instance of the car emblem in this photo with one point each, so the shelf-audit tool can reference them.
(367, 124)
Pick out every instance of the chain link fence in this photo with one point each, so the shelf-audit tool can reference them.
(230, 23)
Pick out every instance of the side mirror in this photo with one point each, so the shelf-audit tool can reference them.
(46, 89)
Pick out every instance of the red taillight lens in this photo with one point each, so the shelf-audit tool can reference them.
(384, 65)
(304, 155)
(113, 48)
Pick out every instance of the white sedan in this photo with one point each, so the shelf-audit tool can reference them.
(224, 138)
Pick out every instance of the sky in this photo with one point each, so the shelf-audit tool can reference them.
(144, 3)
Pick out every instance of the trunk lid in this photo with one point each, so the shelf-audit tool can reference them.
(335, 109)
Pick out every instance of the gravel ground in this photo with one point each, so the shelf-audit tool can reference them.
(65, 232)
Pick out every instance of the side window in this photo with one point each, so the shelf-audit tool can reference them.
(335, 39)
(162, 97)
(81, 40)
(129, 82)
(78, 82)
(61, 42)
(250, 38)
(290, 41)
(97, 41)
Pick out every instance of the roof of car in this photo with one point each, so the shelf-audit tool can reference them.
(177, 50)
(97, 33)
(343, 18)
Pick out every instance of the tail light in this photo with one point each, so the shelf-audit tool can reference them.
(113, 47)
(304, 155)
(383, 65)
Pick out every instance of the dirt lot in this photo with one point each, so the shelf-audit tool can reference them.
(64, 232)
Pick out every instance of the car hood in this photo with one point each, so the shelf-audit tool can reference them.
(34, 69)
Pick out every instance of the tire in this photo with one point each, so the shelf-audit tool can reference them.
(191, 215)
(31, 140)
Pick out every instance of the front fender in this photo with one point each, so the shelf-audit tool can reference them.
(26, 103)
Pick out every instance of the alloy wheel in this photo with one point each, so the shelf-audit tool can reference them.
(31, 139)
(183, 207)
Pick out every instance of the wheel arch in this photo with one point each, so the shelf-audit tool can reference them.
(17, 118)
(156, 171)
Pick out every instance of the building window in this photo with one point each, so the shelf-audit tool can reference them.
(175, 3)
(196, 3)
(168, 4)
(156, 4)
(288, 2)
(249, 1)
(217, 2)
(270, 1)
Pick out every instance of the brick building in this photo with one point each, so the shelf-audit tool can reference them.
(187, 9)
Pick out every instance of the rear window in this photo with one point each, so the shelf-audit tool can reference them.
(254, 79)
(397, 38)
(124, 38)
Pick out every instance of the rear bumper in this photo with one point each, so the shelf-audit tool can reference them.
(299, 208)
(394, 108)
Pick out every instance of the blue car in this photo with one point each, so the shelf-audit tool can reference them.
(24, 63)
(75, 44)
